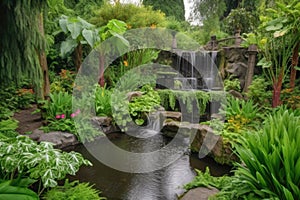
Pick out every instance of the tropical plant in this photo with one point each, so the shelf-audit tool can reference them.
(281, 27)
(22, 157)
(270, 158)
(284, 22)
(73, 191)
(81, 32)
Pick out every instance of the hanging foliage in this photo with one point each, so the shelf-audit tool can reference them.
(20, 40)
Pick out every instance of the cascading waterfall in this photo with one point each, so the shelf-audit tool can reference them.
(197, 67)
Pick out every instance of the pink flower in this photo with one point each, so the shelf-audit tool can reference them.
(77, 112)
(63, 116)
(57, 116)
(73, 115)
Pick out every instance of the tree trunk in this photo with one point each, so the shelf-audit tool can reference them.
(43, 62)
(101, 70)
(78, 56)
(294, 64)
(277, 84)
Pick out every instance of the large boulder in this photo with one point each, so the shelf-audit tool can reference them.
(59, 139)
(204, 140)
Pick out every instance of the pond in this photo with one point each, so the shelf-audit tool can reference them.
(163, 184)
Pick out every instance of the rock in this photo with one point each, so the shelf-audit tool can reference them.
(102, 121)
(204, 140)
(172, 128)
(171, 115)
(59, 139)
(201, 193)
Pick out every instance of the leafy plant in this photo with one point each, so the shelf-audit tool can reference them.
(73, 191)
(59, 105)
(233, 84)
(271, 158)
(9, 191)
(103, 101)
(23, 157)
(204, 179)
(8, 128)
(258, 91)
(66, 125)
(144, 104)
(63, 82)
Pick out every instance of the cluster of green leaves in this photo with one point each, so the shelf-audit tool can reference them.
(73, 190)
(259, 91)
(60, 103)
(63, 82)
(16, 97)
(103, 101)
(8, 128)
(21, 156)
(146, 103)
(204, 179)
(271, 158)
(240, 117)
(232, 84)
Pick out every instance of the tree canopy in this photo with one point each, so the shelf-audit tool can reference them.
(170, 8)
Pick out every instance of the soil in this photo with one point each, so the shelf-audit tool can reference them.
(28, 121)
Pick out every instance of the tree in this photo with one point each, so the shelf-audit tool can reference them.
(22, 43)
(81, 32)
(134, 16)
(170, 8)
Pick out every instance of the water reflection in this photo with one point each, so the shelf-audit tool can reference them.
(164, 184)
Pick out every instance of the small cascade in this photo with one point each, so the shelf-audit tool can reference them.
(197, 70)
(152, 128)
